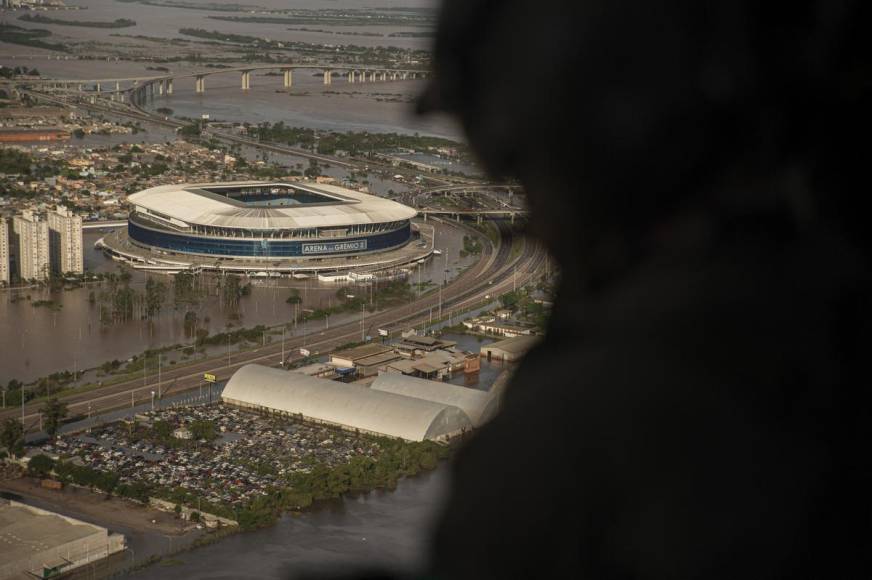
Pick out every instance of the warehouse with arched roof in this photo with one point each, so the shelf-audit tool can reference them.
(479, 406)
(345, 405)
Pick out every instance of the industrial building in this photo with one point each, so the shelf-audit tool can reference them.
(4, 252)
(414, 345)
(65, 242)
(32, 250)
(510, 349)
(266, 221)
(36, 543)
(479, 406)
(367, 359)
(347, 406)
(437, 365)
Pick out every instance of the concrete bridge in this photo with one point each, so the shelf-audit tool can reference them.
(138, 89)
(478, 214)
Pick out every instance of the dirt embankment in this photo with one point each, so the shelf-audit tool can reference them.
(96, 508)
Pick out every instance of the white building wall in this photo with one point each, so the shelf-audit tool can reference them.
(4, 251)
(67, 252)
(33, 246)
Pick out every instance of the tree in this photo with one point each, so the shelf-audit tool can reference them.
(232, 291)
(12, 435)
(40, 465)
(190, 324)
(53, 412)
(183, 286)
(155, 296)
(203, 430)
(294, 298)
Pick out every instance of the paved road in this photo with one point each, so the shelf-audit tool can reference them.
(497, 272)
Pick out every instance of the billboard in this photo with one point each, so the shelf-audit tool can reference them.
(334, 247)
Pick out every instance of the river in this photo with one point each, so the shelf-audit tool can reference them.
(379, 529)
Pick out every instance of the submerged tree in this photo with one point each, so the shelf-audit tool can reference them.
(53, 412)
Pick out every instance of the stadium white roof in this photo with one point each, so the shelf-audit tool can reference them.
(190, 204)
(479, 406)
(348, 405)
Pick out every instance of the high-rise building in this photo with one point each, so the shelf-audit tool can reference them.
(65, 232)
(33, 254)
(4, 251)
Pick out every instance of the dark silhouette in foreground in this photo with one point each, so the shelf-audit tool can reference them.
(699, 407)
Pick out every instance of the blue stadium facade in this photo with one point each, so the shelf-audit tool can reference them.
(266, 220)
(151, 236)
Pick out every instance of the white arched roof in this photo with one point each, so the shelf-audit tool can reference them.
(479, 406)
(351, 406)
(192, 204)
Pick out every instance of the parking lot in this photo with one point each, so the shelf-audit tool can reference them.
(239, 456)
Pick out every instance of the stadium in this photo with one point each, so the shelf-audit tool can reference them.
(261, 225)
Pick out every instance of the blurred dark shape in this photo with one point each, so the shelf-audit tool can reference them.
(699, 407)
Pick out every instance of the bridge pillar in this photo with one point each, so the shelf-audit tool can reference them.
(200, 86)
(478, 219)
(425, 216)
(98, 87)
(361, 76)
(93, 100)
(169, 86)
(117, 86)
(513, 218)
(351, 77)
(160, 87)
(372, 77)
(246, 80)
(287, 77)
(328, 77)
(384, 76)
(81, 87)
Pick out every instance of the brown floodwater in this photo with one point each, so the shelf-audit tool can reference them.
(37, 341)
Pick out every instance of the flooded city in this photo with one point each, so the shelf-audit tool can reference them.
(118, 370)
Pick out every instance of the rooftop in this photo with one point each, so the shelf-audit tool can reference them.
(26, 532)
(517, 345)
(362, 351)
(264, 205)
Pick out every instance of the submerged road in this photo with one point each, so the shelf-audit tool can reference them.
(497, 272)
